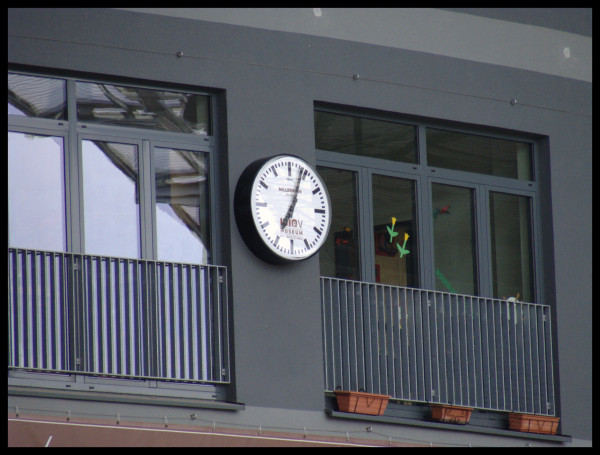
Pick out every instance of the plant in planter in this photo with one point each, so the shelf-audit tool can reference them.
(533, 423)
(361, 402)
(450, 414)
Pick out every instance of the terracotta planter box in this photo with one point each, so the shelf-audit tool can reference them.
(361, 402)
(450, 414)
(533, 423)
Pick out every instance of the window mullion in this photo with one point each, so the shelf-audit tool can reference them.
(483, 233)
(427, 277)
(424, 210)
(147, 201)
(215, 254)
(538, 263)
(73, 183)
(365, 225)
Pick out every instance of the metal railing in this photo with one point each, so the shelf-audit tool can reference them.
(437, 347)
(118, 317)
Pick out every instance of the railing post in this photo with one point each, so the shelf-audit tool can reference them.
(76, 301)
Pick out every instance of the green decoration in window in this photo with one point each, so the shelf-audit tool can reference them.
(393, 234)
(391, 231)
(444, 281)
(402, 248)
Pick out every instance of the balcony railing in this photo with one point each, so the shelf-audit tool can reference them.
(118, 317)
(436, 347)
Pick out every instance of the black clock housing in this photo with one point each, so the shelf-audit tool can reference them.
(296, 208)
(242, 207)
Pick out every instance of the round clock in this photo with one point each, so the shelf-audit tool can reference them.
(282, 209)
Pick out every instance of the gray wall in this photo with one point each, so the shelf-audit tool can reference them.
(268, 80)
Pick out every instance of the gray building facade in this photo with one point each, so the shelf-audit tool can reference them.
(285, 81)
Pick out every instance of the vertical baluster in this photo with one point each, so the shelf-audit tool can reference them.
(368, 326)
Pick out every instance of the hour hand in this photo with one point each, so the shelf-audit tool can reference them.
(290, 211)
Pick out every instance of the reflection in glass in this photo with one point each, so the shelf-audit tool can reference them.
(111, 199)
(512, 264)
(366, 137)
(454, 239)
(33, 96)
(36, 195)
(182, 212)
(143, 108)
(339, 255)
(395, 231)
(481, 154)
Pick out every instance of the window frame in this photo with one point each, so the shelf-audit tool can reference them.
(424, 176)
(73, 132)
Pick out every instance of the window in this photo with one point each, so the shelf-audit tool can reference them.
(111, 209)
(36, 195)
(121, 171)
(41, 97)
(511, 249)
(340, 255)
(480, 154)
(136, 107)
(454, 241)
(181, 188)
(425, 205)
(362, 136)
(395, 230)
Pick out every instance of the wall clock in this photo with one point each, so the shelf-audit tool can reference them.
(282, 209)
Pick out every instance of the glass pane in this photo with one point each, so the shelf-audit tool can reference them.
(182, 217)
(339, 255)
(395, 231)
(484, 155)
(36, 192)
(111, 199)
(512, 264)
(143, 108)
(361, 136)
(32, 96)
(454, 239)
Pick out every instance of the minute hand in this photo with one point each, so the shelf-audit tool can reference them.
(290, 211)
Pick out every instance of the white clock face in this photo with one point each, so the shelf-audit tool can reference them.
(290, 207)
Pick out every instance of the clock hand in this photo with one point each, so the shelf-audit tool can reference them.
(290, 211)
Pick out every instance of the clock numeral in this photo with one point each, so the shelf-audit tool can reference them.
(261, 204)
(317, 230)
(316, 190)
(264, 184)
(306, 243)
(319, 211)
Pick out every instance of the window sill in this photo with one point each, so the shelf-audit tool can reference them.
(110, 389)
(418, 422)
(130, 398)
